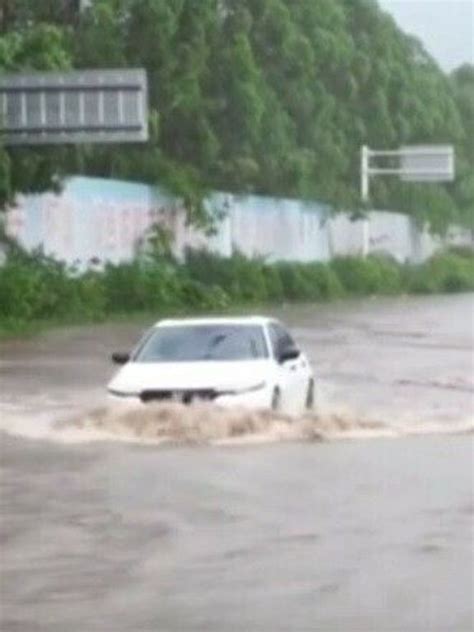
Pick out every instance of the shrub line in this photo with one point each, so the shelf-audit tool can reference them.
(36, 290)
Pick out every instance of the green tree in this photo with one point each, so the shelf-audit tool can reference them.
(267, 96)
(463, 83)
(32, 47)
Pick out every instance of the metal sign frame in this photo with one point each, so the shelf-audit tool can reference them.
(417, 163)
(87, 106)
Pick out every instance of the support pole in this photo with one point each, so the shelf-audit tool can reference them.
(364, 194)
(364, 173)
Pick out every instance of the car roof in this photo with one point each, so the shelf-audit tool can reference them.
(212, 320)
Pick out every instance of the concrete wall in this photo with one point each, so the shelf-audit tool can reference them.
(279, 229)
(107, 220)
(90, 218)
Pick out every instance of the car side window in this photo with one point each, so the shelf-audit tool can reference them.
(280, 339)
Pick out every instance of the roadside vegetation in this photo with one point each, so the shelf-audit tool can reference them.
(36, 290)
(247, 96)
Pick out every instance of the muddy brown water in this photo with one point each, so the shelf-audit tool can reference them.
(358, 517)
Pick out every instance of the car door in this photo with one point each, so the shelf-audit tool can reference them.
(290, 372)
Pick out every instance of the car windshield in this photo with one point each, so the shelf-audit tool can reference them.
(200, 343)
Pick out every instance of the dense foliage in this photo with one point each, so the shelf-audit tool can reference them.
(35, 288)
(269, 96)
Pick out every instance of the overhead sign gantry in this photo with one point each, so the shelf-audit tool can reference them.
(83, 106)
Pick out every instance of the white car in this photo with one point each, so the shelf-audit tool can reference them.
(251, 362)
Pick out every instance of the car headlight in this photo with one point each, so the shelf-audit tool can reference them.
(243, 391)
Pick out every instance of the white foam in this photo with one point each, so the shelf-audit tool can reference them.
(209, 425)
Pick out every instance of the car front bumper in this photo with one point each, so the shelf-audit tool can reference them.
(255, 399)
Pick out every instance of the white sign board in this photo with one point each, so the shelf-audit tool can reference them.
(427, 163)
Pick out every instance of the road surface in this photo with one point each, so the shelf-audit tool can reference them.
(359, 518)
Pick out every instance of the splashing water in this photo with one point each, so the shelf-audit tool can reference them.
(205, 424)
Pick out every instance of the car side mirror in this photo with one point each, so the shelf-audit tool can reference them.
(120, 358)
(289, 353)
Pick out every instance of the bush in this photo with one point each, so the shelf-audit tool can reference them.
(249, 278)
(417, 281)
(453, 273)
(372, 275)
(466, 252)
(273, 284)
(141, 287)
(326, 283)
(243, 279)
(199, 297)
(35, 287)
(297, 285)
(442, 273)
(390, 276)
(207, 268)
(20, 291)
(91, 296)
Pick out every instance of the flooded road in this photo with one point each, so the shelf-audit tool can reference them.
(357, 518)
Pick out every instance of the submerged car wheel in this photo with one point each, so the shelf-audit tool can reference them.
(276, 400)
(309, 403)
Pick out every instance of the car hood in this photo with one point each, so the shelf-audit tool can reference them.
(135, 377)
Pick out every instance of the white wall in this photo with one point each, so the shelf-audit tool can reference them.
(391, 233)
(347, 237)
(106, 219)
(279, 229)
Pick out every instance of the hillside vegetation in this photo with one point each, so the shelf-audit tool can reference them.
(267, 96)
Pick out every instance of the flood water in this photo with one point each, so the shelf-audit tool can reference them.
(357, 518)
